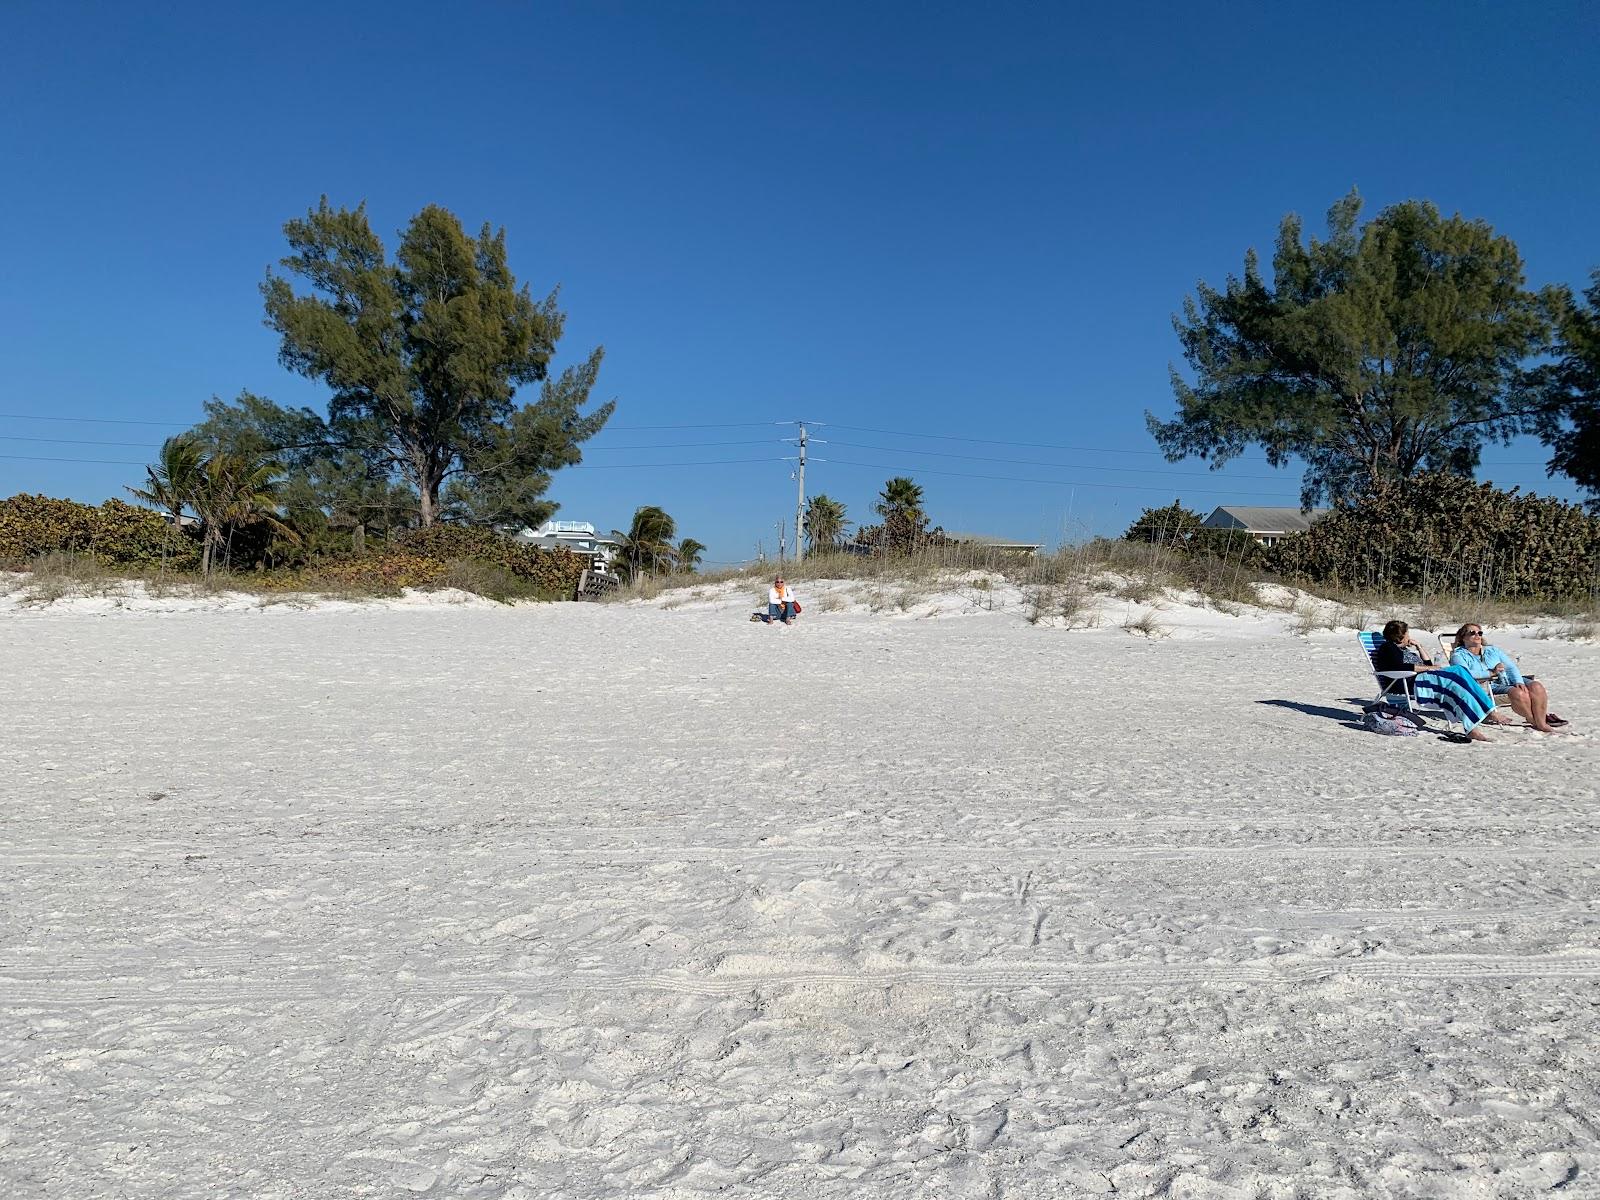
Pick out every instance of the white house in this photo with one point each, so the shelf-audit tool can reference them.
(984, 541)
(1266, 525)
(577, 536)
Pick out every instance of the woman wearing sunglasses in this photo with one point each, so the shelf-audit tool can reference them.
(1493, 668)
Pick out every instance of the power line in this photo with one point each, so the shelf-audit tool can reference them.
(110, 462)
(116, 462)
(716, 462)
(1124, 487)
(95, 420)
(12, 437)
(947, 437)
(190, 424)
(688, 445)
(944, 437)
(1033, 462)
(735, 425)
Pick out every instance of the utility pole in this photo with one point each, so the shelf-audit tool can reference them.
(800, 499)
(781, 541)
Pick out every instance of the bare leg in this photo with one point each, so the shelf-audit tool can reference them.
(1522, 705)
(1479, 735)
(1539, 703)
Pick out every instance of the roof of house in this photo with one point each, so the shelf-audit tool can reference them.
(1262, 520)
(985, 539)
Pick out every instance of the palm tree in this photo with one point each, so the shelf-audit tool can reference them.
(900, 495)
(825, 523)
(172, 482)
(688, 555)
(647, 546)
(237, 489)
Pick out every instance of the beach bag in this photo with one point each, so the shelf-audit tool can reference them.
(1396, 711)
(1376, 722)
(797, 608)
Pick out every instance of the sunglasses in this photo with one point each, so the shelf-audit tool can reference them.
(1473, 633)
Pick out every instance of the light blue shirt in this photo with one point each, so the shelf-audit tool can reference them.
(1481, 665)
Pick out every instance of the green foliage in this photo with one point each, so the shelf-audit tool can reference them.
(1184, 530)
(424, 357)
(1572, 393)
(1445, 534)
(332, 498)
(475, 560)
(905, 524)
(901, 533)
(647, 546)
(549, 572)
(236, 490)
(1174, 523)
(386, 572)
(825, 523)
(118, 535)
(1383, 351)
(686, 557)
(114, 534)
(902, 496)
(172, 482)
(252, 425)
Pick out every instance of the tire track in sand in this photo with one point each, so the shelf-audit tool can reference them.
(345, 988)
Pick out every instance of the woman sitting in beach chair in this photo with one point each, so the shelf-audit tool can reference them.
(1496, 671)
(1409, 673)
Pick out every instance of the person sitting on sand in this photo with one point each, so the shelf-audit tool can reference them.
(781, 604)
(1493, 668)
(1399, 652)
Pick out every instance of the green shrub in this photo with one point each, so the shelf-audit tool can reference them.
(114, 534)
(120, 536)
(384, 573)
(549, 572)
(1444, 534)
(489, 580)
(1183, 530)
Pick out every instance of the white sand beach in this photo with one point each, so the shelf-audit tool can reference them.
(623, 901)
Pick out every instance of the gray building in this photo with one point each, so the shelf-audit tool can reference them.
(1266, 525)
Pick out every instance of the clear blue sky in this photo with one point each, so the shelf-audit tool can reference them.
(968, 220)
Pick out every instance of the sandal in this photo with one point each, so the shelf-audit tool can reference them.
(1553, 720)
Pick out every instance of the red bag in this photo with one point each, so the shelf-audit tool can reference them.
(797, 608)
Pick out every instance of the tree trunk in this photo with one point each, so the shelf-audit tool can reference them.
(358, 537)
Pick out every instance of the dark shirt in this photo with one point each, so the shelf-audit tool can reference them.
(1391, 657)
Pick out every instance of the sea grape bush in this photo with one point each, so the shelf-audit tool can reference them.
(551, 574)
(383, 571)
(1448, 534)
(548, 571)
(120, 535)
(114, 534)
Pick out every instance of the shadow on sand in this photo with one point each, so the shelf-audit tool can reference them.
(1350, 720)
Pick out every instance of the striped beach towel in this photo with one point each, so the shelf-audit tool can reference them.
(1457, 692)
